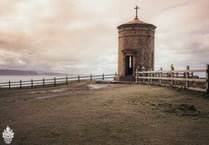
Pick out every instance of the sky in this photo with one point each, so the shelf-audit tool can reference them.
(81, 36)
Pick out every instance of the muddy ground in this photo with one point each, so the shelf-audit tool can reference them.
(105, 114)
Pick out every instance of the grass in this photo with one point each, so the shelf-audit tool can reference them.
(115, 114)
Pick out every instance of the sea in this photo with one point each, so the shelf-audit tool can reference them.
(14, 78)
(17, 78)
(25, 80)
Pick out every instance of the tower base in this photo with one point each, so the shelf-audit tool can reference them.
(127, 78)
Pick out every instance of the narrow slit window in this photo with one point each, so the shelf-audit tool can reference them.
(130, 61)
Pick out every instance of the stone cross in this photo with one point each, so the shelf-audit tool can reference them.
(136, 8)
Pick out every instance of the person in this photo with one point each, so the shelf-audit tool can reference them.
(172, 67)
(143, 68)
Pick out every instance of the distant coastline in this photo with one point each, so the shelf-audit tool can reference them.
(13, 72)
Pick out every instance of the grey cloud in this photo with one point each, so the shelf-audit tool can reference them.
(62, 36)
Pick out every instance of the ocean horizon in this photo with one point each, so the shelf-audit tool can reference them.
(14, 78)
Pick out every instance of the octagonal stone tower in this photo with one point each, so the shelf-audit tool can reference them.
(136, 48)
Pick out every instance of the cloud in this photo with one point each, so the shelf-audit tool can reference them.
(81, 37)
(182, 35)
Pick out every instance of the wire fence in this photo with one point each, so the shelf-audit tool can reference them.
(54, 81)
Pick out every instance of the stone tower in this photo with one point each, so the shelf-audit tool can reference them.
(136, 47)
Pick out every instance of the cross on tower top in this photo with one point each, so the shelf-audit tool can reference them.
(136, 8)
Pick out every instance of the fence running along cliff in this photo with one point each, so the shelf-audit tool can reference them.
(187, 79)
(54, 81)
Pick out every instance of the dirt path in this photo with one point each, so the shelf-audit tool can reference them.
(105, 114)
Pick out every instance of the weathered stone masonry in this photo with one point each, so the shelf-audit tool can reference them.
(136, 48)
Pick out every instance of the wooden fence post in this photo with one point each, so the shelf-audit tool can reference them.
(31, 83)
(151, 75)
(20, 84)
(43, 82)
(137, 75)
(9, 84)
(172, 77)
(90, 77)
(78, 78)
(66, 80)
(55, 81)
(207, 78)
(187, 76)
(143, 76)
(161, 74)
(102, 76)
(115, 77)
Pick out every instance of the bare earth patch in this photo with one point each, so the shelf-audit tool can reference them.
(105, 114)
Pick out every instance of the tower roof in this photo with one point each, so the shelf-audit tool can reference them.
(136, 22)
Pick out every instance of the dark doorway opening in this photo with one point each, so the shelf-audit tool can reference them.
(129, 65)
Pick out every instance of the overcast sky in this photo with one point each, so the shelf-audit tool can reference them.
(80, 36)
